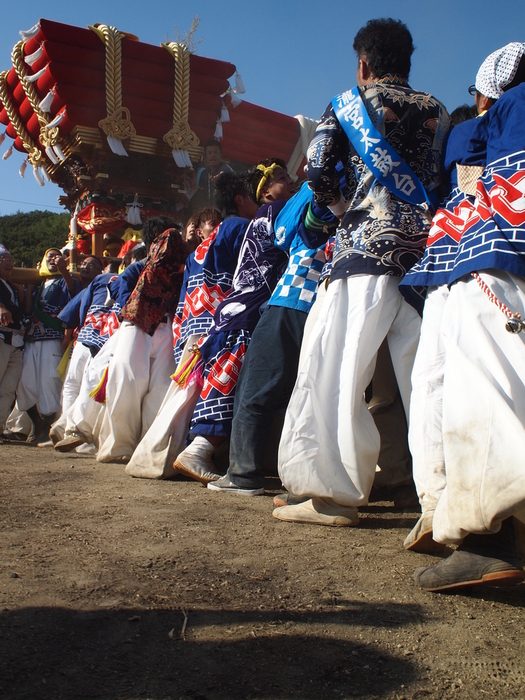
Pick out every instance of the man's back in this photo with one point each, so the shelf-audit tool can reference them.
(380, 233)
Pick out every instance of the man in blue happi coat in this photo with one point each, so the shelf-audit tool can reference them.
(475, 478)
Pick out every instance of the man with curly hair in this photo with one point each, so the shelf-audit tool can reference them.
(389, 139)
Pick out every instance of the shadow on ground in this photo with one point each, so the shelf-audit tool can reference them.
(117, 654)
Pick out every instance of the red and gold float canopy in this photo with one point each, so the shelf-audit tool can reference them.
(111, 119)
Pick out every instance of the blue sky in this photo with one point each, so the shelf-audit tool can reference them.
(293, 56)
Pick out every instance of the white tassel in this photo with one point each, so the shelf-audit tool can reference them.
(50, 153)
(239, 85)
(33, 78)
(45, 174)
(8, 153)
(23, 168)
(116, 146)
(236, 100)
(2, 138)
(133, 216)
(225, 115)
(182, 159)
(33, 57)
(177, 157)
(30, 33)
(218, 130)
(38, 177)
(59, 152)
(56, 121)
(45, 104)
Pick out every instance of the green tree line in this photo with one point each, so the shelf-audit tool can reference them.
(28, 236)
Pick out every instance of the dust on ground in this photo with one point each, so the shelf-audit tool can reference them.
(120, 588)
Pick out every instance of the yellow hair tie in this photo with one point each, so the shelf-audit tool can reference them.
(267, 172)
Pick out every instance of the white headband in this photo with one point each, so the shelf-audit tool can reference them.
(499, 69)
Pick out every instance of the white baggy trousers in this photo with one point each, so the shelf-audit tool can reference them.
(330, 444)
(138, 378)
(40, 383)
(425, 434)
(483, 409)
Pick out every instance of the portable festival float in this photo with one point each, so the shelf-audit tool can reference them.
(119, 124)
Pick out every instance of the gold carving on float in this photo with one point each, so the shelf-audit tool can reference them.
(88, 136)
(143, 144)
(84, 135)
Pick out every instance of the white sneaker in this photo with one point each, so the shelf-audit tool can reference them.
(196, 461)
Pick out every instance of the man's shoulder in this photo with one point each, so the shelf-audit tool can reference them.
(133, 270)
(510, 104)
(268, 211)
(404, 96)
(101, 280)
(393, 102)
(232, 224)
(7, 294)
(60, 284)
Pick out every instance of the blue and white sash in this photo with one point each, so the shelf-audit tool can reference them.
(381, 159)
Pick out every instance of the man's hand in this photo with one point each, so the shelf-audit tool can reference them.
(338, 207)
(61, 264)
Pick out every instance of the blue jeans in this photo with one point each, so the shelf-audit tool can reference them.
(265, 385)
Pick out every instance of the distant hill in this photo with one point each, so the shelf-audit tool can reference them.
(28, 236)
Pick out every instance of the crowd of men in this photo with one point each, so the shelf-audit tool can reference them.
(386, 296)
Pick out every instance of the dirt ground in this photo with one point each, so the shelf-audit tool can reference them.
(118, 588)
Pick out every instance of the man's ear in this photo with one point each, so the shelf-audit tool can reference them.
(483, 103)
(238, 200)
(198, 231)
(366, 73)
(265, 194)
